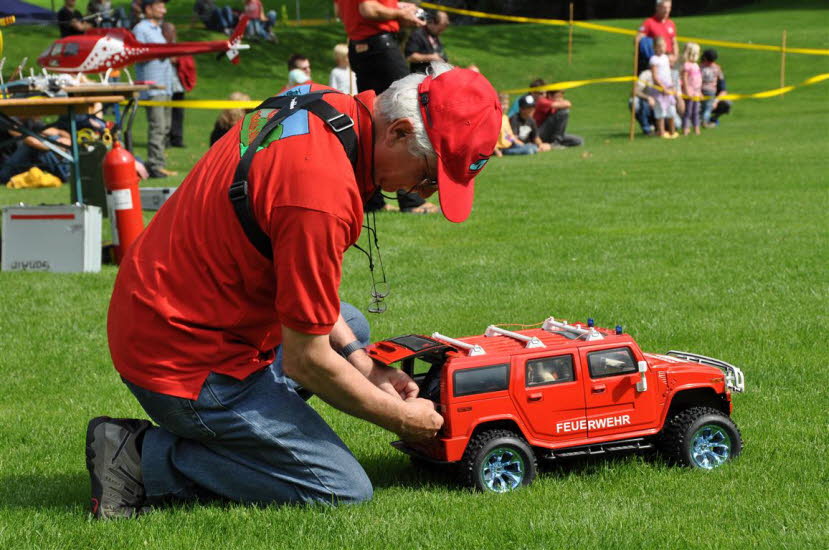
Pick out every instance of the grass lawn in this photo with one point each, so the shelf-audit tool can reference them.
(714, 244)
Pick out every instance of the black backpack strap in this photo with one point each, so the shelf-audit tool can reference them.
(239, 192)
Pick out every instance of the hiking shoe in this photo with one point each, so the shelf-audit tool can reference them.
(113, 459)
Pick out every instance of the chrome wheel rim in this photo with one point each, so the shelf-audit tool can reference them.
(710, 447)
(502, 469)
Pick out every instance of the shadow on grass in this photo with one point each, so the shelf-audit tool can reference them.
(55, 492)
(416, 474)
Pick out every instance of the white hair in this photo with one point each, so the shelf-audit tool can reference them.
(400, 101)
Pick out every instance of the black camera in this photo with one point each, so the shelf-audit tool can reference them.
(421, 14)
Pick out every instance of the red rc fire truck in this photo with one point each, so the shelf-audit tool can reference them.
(563, 390)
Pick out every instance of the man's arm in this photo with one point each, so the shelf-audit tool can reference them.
(310, 360)
(561, 103)
(404, 13)
(674, 51)
(391, 380)
(423, 57)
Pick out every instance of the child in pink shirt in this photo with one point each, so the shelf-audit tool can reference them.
(691, 87)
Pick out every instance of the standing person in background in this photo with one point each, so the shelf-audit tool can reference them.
(375, 57)
(424, 45)
(184, 78)
(691, 87)
(713, 88)
(342, 78)
(70, 20)
(665, 95)
(660, 25)
(159, 71)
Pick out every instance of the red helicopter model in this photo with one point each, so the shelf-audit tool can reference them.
(99, 50)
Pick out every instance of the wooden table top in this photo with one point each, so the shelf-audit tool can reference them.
(44, 106)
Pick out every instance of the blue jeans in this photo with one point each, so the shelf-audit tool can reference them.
(253, 441)
(526, 149)
(24, 158)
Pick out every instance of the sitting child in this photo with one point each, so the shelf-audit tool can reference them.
(524, 126)
(665, 107)
(507, 143)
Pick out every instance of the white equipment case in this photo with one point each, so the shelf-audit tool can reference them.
(153, 197)
(60, 238)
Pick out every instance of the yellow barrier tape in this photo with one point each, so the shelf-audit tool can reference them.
(618, 30)
(214, 104)
(483, 15)
(218, 104)
(568, 84)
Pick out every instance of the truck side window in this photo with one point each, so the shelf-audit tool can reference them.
(481, 380)
(611, 362)
(550, 370)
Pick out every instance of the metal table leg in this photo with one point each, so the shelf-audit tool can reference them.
(76, 163)
(129, 116)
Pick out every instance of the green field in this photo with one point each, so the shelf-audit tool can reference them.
(715, 244)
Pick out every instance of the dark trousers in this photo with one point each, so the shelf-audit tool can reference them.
(380, 64)
(176, 135)
(553, 127)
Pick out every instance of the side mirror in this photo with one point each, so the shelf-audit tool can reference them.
(642, 385)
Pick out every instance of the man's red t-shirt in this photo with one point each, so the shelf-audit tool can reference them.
(193, 296)
(653, 27)
(358, 27)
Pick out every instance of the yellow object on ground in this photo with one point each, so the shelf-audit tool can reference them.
(34, 177)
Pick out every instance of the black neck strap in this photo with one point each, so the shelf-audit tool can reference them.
(240, 192)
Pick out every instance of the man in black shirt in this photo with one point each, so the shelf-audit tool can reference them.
(70, 20)
(424, 44)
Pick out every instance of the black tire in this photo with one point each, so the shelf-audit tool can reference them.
(505, 450)
(715, 436)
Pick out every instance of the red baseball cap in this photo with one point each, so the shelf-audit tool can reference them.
(462, 116)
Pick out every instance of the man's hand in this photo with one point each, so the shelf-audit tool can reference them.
(393, 381)
(407, 15)
(420, 421)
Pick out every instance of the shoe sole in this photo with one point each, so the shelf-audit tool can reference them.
(96, 488)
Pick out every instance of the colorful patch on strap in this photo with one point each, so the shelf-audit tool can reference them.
(253, 123)
(475, 166)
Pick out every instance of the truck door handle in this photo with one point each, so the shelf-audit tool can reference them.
(535, 396)
(599, 388)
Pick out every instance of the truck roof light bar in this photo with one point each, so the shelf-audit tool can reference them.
(550, 325)
(531, 341)
(472, 349)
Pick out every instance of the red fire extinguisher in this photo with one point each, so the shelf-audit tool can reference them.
(123, 199)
